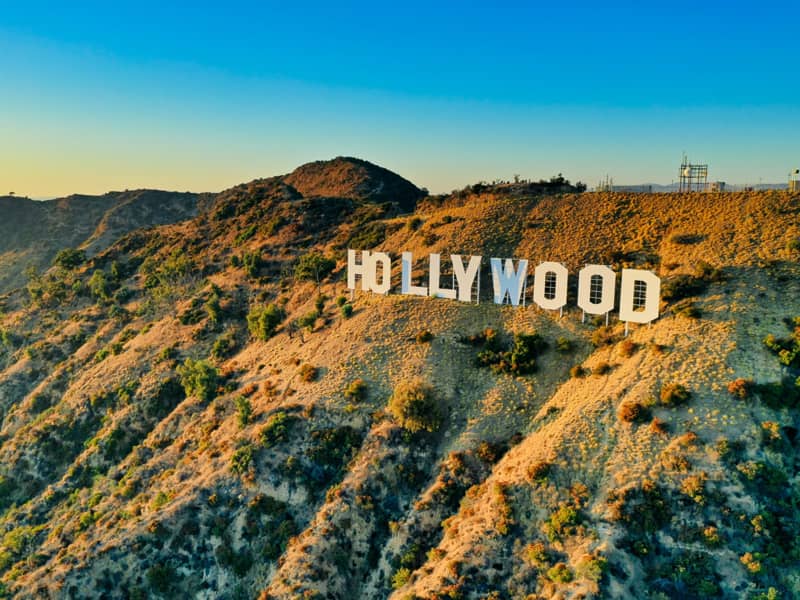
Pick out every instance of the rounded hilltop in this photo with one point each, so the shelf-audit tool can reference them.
(348, 177)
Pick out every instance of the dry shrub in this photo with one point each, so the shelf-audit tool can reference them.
(308, 373)
(633, 412)
(674, 394)
(539, 471)
(601, 368)
(577, 371)
(658, 427)
(741, 388)
(627, 348)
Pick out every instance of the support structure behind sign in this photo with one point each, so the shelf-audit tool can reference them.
(693, 178)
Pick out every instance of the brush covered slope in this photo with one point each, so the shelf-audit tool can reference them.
(33, 232)
(202, 410)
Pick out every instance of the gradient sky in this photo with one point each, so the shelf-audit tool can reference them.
(199, 96)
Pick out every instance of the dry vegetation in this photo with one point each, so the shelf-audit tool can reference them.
(202, 410)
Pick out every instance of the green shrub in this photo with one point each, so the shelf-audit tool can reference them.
(213, 309)
(332, 448)
(592, 567)
(694, 571)
(313, 267)
(564, 345)
(771, 594)
(308, 320)
(787, 349)
(347, 310)
(414, 407)
(537, 555)
(519, 360)
(7, 338)
(160, 500)
(167, 353)
(245, 235)
(560, 573)
(779, 394)
(367, 235)
(99, 286)
(242, 459)
(199, 379)
(562, 522)
(243, 411)
(708, 272)
(356, 391)
(277, 429)
(239, 562)
(70, 258)
(401, 577)
(284, 528)
(414, 223)
(224, 346)
(679, 287)
(251, 263)
(161, 577)
(274, 224)
(262, 321)
(686, 238)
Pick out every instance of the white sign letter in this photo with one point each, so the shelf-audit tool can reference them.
(365, 270)
(507, 281)
(550, 285)
(405, 283)
(434, 276)
(465, 279)
(639, 296)
(596, 289)
(386, 279)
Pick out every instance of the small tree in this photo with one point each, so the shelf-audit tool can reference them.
(99, 286)
(199, 378)
(263, 320)
(69, 258)
(314, 267)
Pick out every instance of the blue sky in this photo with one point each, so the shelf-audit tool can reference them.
(200, 96)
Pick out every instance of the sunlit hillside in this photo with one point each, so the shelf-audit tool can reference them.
(203, 409)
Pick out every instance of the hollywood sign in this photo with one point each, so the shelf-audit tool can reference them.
(639, 290)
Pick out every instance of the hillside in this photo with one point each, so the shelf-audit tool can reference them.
(32, 232)
(201, 409)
